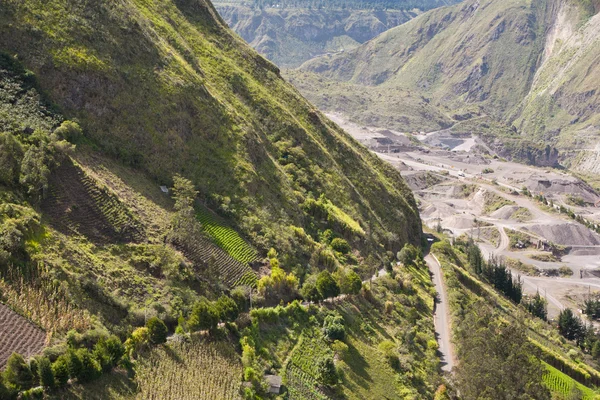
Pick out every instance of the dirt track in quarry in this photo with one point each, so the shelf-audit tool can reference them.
(469, 192)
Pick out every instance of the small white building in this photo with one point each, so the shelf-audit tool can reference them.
(274, 382)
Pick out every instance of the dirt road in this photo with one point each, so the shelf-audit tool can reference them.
(441, 315)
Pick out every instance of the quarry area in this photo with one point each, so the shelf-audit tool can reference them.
(535, 218)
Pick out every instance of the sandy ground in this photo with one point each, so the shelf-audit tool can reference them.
(453, 163)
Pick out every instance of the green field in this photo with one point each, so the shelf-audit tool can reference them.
(561, 384)
(226, 237)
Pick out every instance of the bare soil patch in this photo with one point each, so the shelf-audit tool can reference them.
(18, 335)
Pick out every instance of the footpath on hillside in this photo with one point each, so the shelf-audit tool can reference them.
(441, 315)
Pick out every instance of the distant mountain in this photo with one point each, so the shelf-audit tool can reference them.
(292, 32)
(532, 65)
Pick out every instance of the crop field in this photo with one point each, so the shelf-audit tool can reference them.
(231, 271)
(18, 335)
(77, 205)
(301, 370)
(226, 237)
(561, 384)
(198, 370)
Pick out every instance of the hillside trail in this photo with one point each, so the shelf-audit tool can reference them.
(441, 316)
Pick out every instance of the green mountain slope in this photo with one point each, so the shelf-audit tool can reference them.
(92, 246)
(292, 32)
(526, 63)
(166, 87)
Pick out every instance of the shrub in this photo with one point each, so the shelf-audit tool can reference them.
(340, 349)
(138, 339)
(326, 285)
(157, 330)
(388, 350)
(340, 245)
(60, 369)
(333, 327)
(69, 130)
(45, 373)
(17, 372)
(227, 309)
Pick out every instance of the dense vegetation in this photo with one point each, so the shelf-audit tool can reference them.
(267, 202)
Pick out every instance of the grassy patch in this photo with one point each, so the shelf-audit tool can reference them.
(563, 385)
(493, 202)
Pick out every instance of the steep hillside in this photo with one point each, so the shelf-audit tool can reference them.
(165, 87)
(153, 167)
(530, 65)
(293, 32)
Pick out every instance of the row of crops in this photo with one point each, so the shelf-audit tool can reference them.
(301, 370)
(231, 272)
(564, 385)
(302, 386)
(198, 370)
(226, 237)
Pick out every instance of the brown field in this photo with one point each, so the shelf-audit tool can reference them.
(18, 335)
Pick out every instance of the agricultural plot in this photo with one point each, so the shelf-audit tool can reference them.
(563, 385)
(198, 370)
(18, 335)
(232, 273)
(76, 205)
(226, 237)
(301, 370)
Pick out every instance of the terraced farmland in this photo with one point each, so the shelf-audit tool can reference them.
(563, 385)
(18, 335)
(232, 273)
(226, 237)
(76, 205)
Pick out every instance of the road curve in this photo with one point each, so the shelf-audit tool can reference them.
(441, 315)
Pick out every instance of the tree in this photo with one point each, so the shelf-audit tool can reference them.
(45, 373)
(496, 358)
(34, 171)
(11, 155)
(408, 255)
(90, 369)
(73, 363)
(326, 285)
(184, 220)
(157, 330)
(570, 326)
(204, 316)
(333, 327)
(17, 372)
(278, 285)
(348, 281)
(537, 306)
(326, 372)
(227, 309)
(60, 369)
(309, 291)
(109, 352)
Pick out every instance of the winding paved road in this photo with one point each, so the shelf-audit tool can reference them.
(441, 315)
